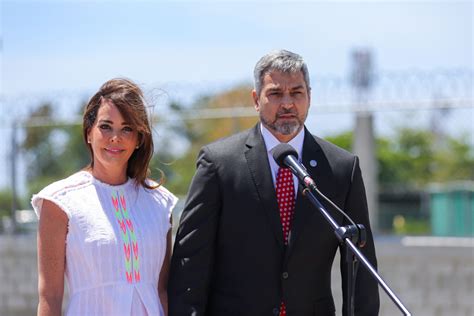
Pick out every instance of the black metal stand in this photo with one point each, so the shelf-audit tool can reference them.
(357, 235)
(351, 236)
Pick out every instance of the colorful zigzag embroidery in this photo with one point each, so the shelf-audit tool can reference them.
(129, 238)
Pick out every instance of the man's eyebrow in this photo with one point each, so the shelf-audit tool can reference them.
(297, 87)
(274, 89)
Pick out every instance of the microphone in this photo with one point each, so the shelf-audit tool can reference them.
(287, 157)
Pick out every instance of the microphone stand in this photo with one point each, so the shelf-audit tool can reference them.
(351, 235)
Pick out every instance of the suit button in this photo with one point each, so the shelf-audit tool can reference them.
(276, 311)
(284, 275)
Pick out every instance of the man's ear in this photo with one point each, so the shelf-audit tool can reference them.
(255, 100)
(309, 96)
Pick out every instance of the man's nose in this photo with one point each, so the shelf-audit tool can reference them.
(287, 100)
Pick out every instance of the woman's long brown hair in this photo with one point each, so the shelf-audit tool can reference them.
(129, 100)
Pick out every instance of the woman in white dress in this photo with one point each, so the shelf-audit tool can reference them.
(106, 229)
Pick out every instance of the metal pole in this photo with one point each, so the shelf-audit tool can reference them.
(13, 160)
(364, 138)
(365, 148)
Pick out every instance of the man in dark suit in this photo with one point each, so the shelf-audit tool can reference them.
(248, 242)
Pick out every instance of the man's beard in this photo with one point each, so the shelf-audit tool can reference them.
(284, 127)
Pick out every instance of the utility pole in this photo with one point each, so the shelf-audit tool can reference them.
(13, 159)
(364, 139)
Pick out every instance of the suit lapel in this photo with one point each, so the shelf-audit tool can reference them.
(256, 155)
(320, 171)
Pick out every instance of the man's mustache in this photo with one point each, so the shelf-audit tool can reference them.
(287, 111)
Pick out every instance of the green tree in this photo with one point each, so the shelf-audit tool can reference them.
(414, 157)
(52, 151)
(343, 140)
(454, 160)
(199, 132)
(39, 149)
(6, 198)
(75, 155)
(411, 157)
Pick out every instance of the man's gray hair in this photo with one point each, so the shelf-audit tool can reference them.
(279, 60)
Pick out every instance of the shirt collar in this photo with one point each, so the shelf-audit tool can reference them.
(271, 141)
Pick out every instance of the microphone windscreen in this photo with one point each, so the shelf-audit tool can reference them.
(281, 151)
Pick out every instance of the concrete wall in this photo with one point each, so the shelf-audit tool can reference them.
(18, 275)
(430, 281)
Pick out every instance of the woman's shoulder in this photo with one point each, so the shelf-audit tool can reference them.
(161, 194)
(58, 192)
(75, 181)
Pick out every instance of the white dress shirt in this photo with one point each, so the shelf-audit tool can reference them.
(271, 142)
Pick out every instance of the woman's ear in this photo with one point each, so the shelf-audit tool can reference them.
(89, 136)
(140, 140)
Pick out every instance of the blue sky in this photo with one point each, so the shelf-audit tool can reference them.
(74, 45)
(69, 48)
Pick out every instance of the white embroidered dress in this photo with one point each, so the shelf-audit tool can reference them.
(115, 245)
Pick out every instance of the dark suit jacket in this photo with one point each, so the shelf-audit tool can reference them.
(229, 257)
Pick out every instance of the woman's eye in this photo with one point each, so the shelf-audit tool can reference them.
(127, 129)
(104, 126)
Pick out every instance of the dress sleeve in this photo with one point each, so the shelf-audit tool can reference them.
(53, 193)
(169, 201)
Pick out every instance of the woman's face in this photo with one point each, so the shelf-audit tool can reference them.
(113, 140)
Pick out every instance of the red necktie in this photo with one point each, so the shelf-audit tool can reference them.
(285, 191)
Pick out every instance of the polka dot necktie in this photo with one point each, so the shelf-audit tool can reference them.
(285, 191)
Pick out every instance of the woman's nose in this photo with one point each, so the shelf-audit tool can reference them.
(115, 137)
